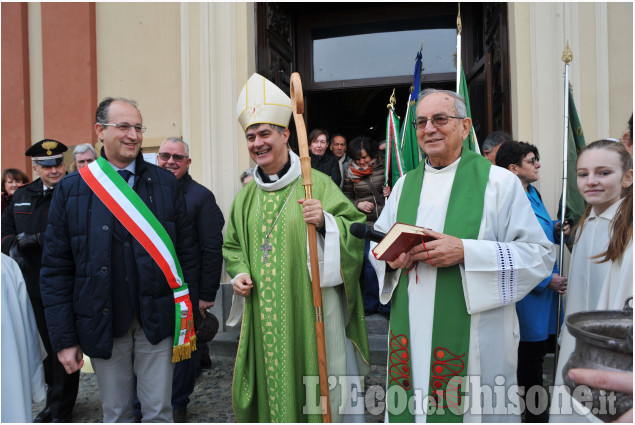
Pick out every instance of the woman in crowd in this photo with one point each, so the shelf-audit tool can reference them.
(12, 178)
(364, 186)
(601, 266)
(321, 158)
(538, 310)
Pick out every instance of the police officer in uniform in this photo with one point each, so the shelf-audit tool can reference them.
(23, 226)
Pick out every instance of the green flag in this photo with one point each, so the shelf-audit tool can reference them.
(575, 203)
(470, 141)
(409, 145)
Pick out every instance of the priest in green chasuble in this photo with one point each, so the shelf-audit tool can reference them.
(266, 254)
(453, 339)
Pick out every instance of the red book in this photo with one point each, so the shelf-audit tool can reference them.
(400, 238)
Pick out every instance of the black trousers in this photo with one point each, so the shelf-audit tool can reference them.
(529, 374)
(62, 387)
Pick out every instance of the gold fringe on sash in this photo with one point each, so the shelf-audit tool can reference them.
(184, 351)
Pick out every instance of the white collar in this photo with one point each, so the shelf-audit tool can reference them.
(290, 176)
(130, 167)
(448, 168)
(608, 213)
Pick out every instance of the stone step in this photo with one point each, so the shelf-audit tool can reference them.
(377, 325)
(225, 344)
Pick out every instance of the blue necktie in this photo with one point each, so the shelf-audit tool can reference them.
(125, 174)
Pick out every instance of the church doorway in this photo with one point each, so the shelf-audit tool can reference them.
(356, 112)
(351, 56)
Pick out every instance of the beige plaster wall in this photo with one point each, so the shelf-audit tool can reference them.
(36, 73)
(620, 52)
(138, 56)
(218, 56)
(185, 64)
(601, 75)
(245, 36)
(520, 64)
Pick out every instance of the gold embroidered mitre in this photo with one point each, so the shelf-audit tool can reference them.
(261, 101)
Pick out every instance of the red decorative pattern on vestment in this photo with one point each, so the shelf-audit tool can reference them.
(399, 369)
(446, 392)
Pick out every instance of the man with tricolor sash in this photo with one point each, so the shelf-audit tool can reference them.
(265, 251)
(453, 328)
(118, 259)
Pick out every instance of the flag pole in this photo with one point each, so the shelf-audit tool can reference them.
(460, 76)
(412, 88)
(297, 100)
(567, 56)
(459, 28)
(403, 129)
(389, 131)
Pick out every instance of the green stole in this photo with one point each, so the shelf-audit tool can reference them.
(451, 323)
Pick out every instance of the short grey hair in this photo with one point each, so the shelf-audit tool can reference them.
(248, 172)
(177, 140)
(459, 102)
(84, 147)
(494, 139)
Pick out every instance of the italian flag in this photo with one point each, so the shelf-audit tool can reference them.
(392, 145)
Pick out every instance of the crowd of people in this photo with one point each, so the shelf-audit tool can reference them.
(122, 260)
(97, 282)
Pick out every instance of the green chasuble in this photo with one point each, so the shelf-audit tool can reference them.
(277, 348)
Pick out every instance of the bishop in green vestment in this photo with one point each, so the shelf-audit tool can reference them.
(266, 254)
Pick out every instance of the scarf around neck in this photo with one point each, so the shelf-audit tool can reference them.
(356, 173)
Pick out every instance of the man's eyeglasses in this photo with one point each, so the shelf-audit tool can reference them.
(437, 121)
(532, 160)
(164, 156)
(126, 127)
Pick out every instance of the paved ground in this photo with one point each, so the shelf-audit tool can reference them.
(210, 402)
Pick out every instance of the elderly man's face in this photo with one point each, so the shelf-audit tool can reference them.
(491, 155)
(441, 144)
(338, 146)
(83, 159)
(177, 161)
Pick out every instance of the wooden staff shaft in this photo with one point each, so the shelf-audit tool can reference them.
(297, 101)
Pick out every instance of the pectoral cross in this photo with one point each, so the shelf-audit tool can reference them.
(265, 248)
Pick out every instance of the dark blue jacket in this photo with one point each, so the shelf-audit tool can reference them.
(28, 212)
(327, 164)
(208, 222)
(76, 270)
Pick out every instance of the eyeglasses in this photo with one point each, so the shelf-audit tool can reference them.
(126, 127)
(437, 121)
(533, 160)
(164, 156)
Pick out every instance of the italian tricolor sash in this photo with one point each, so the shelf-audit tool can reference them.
(136, 217)
(451, 322)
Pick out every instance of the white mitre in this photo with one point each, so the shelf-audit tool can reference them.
(262, 102)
